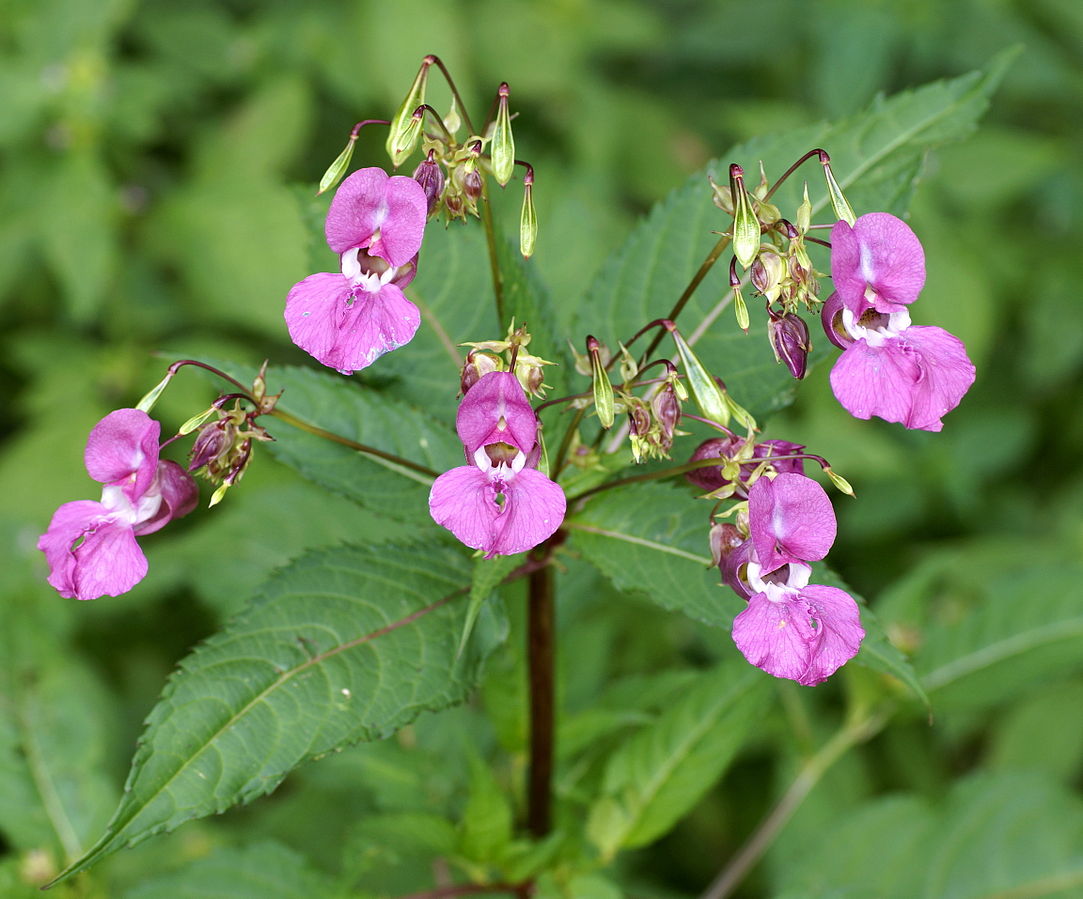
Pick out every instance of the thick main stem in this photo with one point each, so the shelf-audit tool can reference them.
(541, 646)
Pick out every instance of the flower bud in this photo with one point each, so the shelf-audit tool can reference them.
(600, 383)
(710, 477)
(639, 420)
(502, 149)
(723, 196)
(705, 390)
(212, 448)
(790, 340)
(843, 211)
(667, 412)
(766, 275)
(399, 142)
(746, 227)
(531, 373)
(431, 178)
(528, 220)
(629, 368)
(472, 184)
(337, 169)
(476, 366)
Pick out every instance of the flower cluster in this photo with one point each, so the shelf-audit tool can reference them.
(348, 320)
(91, 546)
(889, 368)
(500, 502)
(790, 628)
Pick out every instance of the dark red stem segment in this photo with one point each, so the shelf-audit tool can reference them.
(541, 651)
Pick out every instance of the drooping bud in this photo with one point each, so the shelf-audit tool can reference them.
(196, 420)
(472, 184)
(474, 368)
(739, 306)
(746, 227)
(399, 142)
(453, 121)
(528, 220)
(430, 175)
(212, 448)
(603, 389)
(502, 149)
(337, 169)
(530, 370)
(241, 459)
(705, 390)
(843, 211)
(790, 340)
(408, 138)
(148, 401)
(639, 427)
(839, 481)
(667, 412)
(766, 275)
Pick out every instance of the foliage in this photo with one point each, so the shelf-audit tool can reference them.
(155, 194)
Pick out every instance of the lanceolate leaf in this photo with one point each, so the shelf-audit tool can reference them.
(342, 645)
(1027, 626)
(658, 774)
(876, 156)
(652, 539)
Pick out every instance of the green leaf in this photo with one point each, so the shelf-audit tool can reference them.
(79, 230)
(1027, 627)
(658, 774)
(876, 156)
(55, 723)
(487, 818)
(261, 871)
(488, 573)
(341, 646)
(1001, 835)
(651, 539)
(348, 409)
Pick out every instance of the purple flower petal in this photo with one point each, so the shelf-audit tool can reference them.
(384, 214)
(914, 379)
(464, 500)
(90, 554)
(496, 410)
(790, 519)
(348, 328)
(805, 637)
(879, 252)
(179, 497)
(402, 230)
(123, 446)
(534, 508)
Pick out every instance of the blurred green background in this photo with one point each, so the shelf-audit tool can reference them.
(154, 163)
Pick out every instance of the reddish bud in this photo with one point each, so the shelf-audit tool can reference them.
(791, 342)
(431, 178)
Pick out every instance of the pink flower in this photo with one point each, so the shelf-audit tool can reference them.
(793, 629)
(90, 546)
(348, 320)
(790, 628)
(896, 371)
(878, 263)
(500, 503)
(790, 519)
